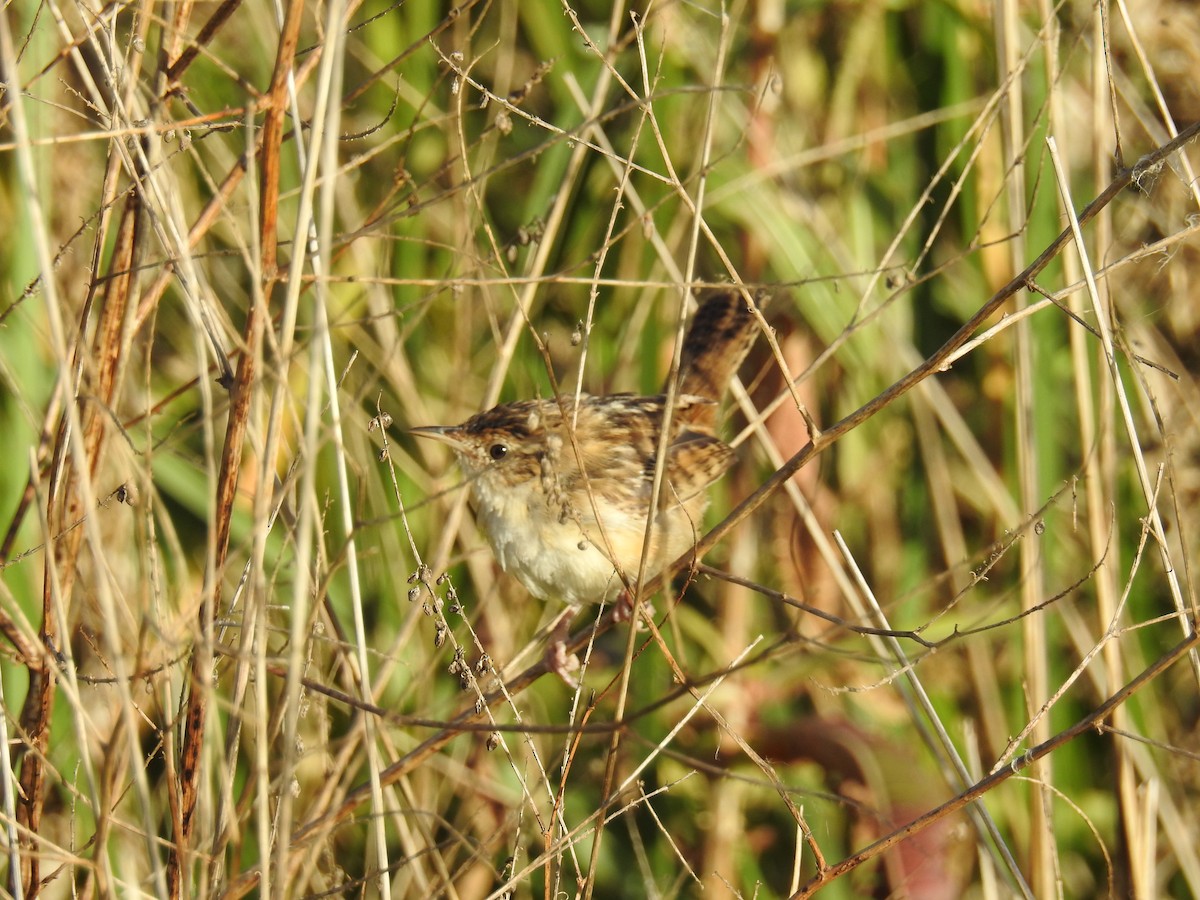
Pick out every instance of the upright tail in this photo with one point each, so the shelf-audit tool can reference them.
(719, 338)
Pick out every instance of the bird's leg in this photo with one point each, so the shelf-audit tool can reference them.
(557, 659)
(623, 608)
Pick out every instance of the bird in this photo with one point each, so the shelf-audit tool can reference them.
(561, 486)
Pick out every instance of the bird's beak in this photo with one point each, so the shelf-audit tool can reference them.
(445, 434)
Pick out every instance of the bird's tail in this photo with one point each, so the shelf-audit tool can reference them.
(720, 336)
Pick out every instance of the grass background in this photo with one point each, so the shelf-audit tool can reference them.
(253, 642)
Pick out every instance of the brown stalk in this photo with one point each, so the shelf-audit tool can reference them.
(179, 62)
(61, 555)
(65, 507)
(272, 138)
(200, 668)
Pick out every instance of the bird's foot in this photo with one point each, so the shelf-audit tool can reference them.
(557, 659)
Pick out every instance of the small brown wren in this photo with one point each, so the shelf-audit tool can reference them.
(567, 516)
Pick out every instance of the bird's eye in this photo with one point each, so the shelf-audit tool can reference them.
(498, 451)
